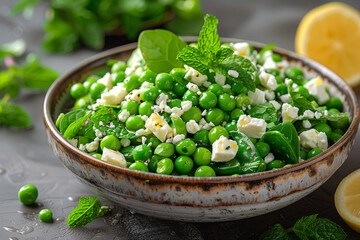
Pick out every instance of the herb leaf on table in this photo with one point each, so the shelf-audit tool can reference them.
(87, 211)
(13, 116)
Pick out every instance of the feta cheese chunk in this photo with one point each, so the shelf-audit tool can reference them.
(114, 157)
(186, 105)
(289, 112)
(268, 81)
(114, 97)
(178, 138)
(125, 142)
(286, 98)
(316, 87)
(220, 79)
(192, 87)
(134, 95)
(276, 105)
(192, 127)
(73, 142)
(106, 80)
(223, 150)
(306, 124)
(124, 115)
(252, 127)
(92, 146)
(195, 77)
(257, 97)
(308, 114)
(313, 139)
(176, 112)
(158, 126)
(241, 49)
(268, 158)
(233, 73)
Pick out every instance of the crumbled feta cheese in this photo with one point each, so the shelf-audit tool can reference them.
(289, 112)
(223, 150)
(73, 142)
(308, 114)
(82, 147)
(286, 98)
(178, 138)
(276, 105)
(134, 95)
(318, 115)
(156, 108)
(111, 125)
(162, 98)
(306, 124)
(207, 84)
(269, 95)
(144, 118)
(195, 77)
(114, 157)
(98, 133)
(316, 87)
(241, 49)
(176, 112)
(106, 80)
(92, 146)
(130, 70)
(140, 132)
(158, 126)
(192, 87)
(269, 63)
(252, 127)
(143, 140)
(101, 124)
(202, 122)
(204, 112)
(125, 142)
(192, 127)
(208, 126)
(186, 105)
(257, 97)
(124, 115)
(268, 81)
(287, 81)
(227, 86)
(145, 85)
(233, 73)
(114, 97)
(270, 157)
(313, 139)
(220, 79)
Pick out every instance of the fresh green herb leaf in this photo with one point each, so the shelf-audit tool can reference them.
(37, 76)
(193, 57)
(265, 111)
(69, 118)
(15, 48)
(277, 232)
(136, 57)
(13, 116)
(209, 40)
(289, 131)
(268, 47)
(73, 129)
(224, 53)
(90, 30)
(86, 212)
(159, 49)
(9, 83)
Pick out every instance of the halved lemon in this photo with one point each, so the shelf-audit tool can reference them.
(347, 200)
(330, 34)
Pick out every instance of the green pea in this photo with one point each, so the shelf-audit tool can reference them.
(273, 71)
(216, 132)
(154, 142)
(96, 89)
(147, 76)
(131, 106)
(118, 77)
(191, 96)
(335, 137)
(226, 116)
(58, 120)
(242, 100)
(165, 150)
(202, 135)
(145, 108)
(77, 90)
(339, 131)
(276, 57)
(28, 194)
(207, 100)
(110, 142)
(150, 94)
(281, 90)
(294, 73)
(303, 154)
(178, 72)
(303, 91)
(323, 127)
(165, 166)
(263, 148)
(134, 123)
(142, 152)
(175, 103)
(228, 91)
(239, 88)
(343, 123)
(193, 113)
(183, 164)
(164, 81)
(89, 81)
(204, 171)
(202, 156)
(216, 89)
(215, 115)
(82, 102)
(231, 126)
(279, 79)
(226, 102)
(179, 125)
(334, 103)
(139, 166)
(45, 215)
(253, 140)
(153, 163)
(131, 83)
(185, 147)
(179, 89)
(313, 152)
(119, 66)
(275, 164)
(97, 155)
(236, 113)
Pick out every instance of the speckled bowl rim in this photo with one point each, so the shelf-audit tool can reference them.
(49, 122)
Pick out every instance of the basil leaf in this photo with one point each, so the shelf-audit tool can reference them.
(209, 40)
(265, 111)
(12, 115)
(15, 48)
(159, 49)
(69, 118)
(86, 212)
(277, 232)
(73, 129)
(193, 57)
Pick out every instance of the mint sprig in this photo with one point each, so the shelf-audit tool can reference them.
(306, 228)
(209, 55)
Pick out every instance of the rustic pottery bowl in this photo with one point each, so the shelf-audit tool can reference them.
(190, 198)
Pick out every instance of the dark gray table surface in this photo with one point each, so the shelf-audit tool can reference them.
(25, 156)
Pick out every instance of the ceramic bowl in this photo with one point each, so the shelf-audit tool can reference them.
(190, 198)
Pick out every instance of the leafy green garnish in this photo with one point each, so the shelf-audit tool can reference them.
(73, 129)
(13, 116)
(159, 49)
(69, 118)
(265, 111)
(209, 55)
(306, 228)
(14, 49)
(88, 210)
(268, 47)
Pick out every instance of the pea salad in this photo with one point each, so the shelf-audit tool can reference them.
(204, 109)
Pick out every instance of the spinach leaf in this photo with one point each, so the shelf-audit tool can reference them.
(265, 111)
(12, 115)
(73, 129)
(69, 118)
(159, 49)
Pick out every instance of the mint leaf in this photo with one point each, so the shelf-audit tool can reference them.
(86, 212)
(277, 232)
(209, 40)
(37, 76)
(69, 118)
(223, 53)
(193, 57)
(265, 111)
(159, 49)
(13, 116)
(73, 129)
